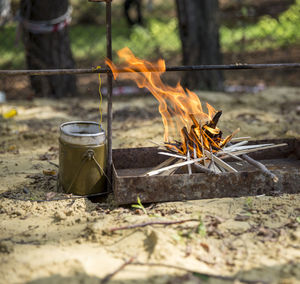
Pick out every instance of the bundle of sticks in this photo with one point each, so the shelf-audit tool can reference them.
(202, 149)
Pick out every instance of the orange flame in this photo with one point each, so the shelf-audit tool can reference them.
(175, 104)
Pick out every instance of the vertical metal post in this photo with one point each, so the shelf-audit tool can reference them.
(109, 93)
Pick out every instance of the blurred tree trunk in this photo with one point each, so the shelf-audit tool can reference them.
(199, 33)
(48, 50)
(4, 11)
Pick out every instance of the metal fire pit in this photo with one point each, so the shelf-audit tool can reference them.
(130, 164)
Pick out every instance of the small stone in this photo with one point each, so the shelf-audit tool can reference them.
(79, 241)
(59, 216)
(25, 190)
(20, 212)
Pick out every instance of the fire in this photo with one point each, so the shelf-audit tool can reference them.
(181, 110)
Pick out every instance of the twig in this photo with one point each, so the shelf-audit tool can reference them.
(53, 164)
(260, 166)
(141, 225)
(110, 275)
(199, 274)
(155, 172)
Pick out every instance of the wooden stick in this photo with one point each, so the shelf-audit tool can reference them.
(110, 275)
(235, 145)
(155, 172)
(241, 152)
(240, 138)
(261, 167)
(189, 158)
(202, 147)
(163, 164)
(228, 154)
(203, 169)
(141, 225)
(213, 123)
(172, 155)
(212, 166)
(241, 148)
(229, 138)
(195, 152)
(169, 172)
(220, 162)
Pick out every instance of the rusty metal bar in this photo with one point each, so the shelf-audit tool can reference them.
(99, 0)
(238, 66)
(109, 93)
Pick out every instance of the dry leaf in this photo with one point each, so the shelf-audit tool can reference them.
(50, 195)
(49, 172)
(205, 246)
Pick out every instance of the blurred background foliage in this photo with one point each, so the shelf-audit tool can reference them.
(245, 27)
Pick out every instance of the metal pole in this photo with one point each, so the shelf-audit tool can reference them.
(238, 66)
(109, 94)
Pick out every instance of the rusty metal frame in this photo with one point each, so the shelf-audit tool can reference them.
(130, 183)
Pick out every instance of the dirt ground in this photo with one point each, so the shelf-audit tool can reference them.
(240, 240)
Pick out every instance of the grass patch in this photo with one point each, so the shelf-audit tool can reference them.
(266, 33)
(12, 54)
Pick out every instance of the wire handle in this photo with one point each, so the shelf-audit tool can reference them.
(100, 94)
(87, 156)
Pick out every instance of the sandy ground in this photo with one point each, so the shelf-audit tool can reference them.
(68, 241)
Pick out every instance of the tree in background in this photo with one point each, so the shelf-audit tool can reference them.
(4, 11)
(199, 33)
(47, 45)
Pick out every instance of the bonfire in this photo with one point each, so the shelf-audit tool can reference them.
(191, 138)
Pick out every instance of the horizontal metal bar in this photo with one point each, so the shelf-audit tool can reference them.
(237, 66)
(100, 0)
